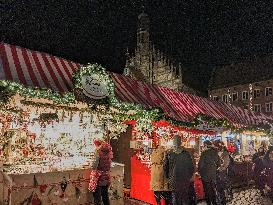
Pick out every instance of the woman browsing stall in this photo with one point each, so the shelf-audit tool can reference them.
(101, 180)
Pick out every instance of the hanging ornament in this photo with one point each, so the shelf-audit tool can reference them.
(43, 188)
(63, 116)
(71, 117)
(35, 182)
(81, 117)
(77, 192)
(64, 184)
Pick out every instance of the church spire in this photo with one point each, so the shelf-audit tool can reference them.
(143, 32)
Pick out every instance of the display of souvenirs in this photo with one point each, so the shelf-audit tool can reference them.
(53, 146)
(245, 144)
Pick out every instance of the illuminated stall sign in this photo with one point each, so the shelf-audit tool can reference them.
(94, 87)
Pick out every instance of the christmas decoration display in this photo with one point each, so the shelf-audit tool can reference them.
(68, 187)
(42, 131)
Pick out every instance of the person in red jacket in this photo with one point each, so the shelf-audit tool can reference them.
(102, 163)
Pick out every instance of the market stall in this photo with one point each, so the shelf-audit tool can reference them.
(47, 140)
(96, 104)
(162, 134)
(243, 145)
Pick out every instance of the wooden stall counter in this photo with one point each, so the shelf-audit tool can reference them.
(58, 188)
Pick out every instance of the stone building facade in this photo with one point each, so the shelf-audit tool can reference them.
(248, 85)
(150, 64)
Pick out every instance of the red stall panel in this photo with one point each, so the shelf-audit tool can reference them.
(140, 182)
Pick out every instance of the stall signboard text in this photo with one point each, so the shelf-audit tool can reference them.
(94, 87)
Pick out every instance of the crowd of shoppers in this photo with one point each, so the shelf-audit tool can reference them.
(173, 171)
(173, 174)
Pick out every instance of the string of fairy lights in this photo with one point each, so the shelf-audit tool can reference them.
(56, 117)
(140, 113)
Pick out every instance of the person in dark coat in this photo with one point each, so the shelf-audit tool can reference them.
(102, 163)
(222, 178)
(258, 167)
(208, 164)
(179, 169)
(268, 163)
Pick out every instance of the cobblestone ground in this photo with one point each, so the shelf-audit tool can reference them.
(248, 197)
(244, 197)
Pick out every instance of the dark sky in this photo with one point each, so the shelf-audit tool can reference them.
(201, 34)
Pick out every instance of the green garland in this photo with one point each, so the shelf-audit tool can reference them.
(8, 89)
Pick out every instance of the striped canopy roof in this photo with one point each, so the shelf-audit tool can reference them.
(39, 69)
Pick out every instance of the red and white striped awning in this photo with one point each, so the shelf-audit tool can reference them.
(181, 106)
(35, 68)
(39, 69)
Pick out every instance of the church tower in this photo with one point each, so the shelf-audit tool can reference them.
(143, 32)
(149, 64)
(143, 46)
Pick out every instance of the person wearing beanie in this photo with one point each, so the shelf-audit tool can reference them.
(179, 169)
(208, 164)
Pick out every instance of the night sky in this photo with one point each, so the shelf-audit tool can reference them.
(201, 34)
